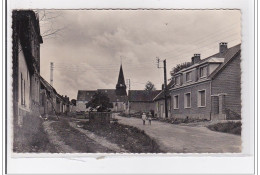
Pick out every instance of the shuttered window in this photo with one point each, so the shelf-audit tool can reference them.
(187, 100)
(203, 71)
(176, 102)
(188, 76)
(202, 98)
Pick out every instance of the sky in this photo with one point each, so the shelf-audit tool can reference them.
(90, 45)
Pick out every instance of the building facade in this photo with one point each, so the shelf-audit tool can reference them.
(26, 64)
(141, 100)
(51, 102)
(210, 88)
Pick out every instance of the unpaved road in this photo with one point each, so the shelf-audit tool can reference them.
(185, 139)
(67, 138)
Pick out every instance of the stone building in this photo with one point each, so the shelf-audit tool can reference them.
(26, 40)
(208, 89)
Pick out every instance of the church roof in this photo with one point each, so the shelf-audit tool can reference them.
(120, 86)
(121, 79)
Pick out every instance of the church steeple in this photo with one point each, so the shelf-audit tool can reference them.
(120, 86)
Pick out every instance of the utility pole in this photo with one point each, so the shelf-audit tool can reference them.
(165, 85)
(165, 89)
(51, 73)
(129, 87)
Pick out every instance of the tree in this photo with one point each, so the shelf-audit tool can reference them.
(73, 101)
(48, 23)
(180, 67)
(99, 101)
(149, 86)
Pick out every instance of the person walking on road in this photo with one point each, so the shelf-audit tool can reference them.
(144, 118)
(150, 118)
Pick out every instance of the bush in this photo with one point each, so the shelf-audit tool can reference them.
(229, 127)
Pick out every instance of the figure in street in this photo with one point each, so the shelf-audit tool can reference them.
(150, 118)
(144, 118)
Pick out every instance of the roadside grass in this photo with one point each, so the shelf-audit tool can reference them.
(31, 137)
(229, 127)
(75, 139)
(128, 137)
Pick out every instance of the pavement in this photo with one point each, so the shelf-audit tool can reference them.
(186, 139)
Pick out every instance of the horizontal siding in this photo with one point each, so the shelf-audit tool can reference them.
(229, 81)
(194, 111)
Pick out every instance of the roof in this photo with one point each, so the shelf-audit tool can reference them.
(229, 56)
(217, 58)
(142, 95)
(120, 86)
(161, 94)
(121, 79)
(84, 95)
(113, 97)
(47, 85)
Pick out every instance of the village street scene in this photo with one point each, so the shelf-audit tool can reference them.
(126, 81)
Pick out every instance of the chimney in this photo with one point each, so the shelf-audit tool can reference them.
(222, 47)
(195, 59)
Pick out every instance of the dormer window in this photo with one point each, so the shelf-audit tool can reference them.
(188, 76)
(178, 80)
(203, 71)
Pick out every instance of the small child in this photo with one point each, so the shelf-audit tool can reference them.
(150, 118)
(144, 118)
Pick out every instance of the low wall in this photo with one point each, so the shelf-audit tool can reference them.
(100, 117)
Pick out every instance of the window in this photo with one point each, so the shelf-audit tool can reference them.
(187, 100)
(21, 88)
(176, 102)
(203, 71)
(188, 76)
(202, 98)
(24, 92)
(177, 80)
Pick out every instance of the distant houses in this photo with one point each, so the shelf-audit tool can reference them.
(209, 88)
(32, 95)
(141, 100)
(117, 96)
(51, 101)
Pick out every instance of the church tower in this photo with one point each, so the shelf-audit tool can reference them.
(120, 86)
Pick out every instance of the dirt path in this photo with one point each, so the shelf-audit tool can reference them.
(186, 139)
(56, 139)
(101, 140)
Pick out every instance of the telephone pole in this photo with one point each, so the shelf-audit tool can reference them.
(129, 87)
(165, 85)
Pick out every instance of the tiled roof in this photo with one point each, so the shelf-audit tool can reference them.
(84, 95)
(47, 85)
(111, 93)
(161, 94)
(142, 95)
(227, 55)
